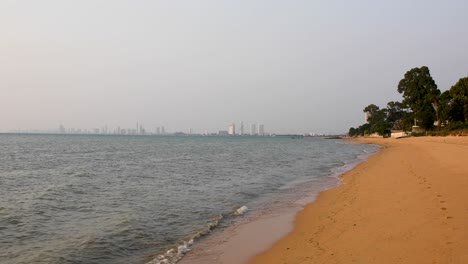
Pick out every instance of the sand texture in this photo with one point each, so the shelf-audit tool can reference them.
(406, 204)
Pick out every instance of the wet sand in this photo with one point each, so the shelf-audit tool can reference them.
(240, 242)
(255, 232)
(406, 204)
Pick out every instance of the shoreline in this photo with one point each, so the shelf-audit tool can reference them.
(254, 233)
(257, 232)
(404, 204)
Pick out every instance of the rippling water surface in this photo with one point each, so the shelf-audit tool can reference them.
(129, 199)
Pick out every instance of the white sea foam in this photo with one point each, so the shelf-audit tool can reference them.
(173, 255)
(241, 210)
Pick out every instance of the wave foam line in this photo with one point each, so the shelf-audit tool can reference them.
(176, 253)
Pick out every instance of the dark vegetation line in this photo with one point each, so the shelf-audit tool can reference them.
(423, 108)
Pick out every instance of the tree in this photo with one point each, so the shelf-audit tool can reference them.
(419, 91)
(376, 119)
(374, 114)
(395, 111)
(364, 129)
(359, 131)
(352, 132)
(459, 104)
(445, 103)
(426, 117)
(407, 120)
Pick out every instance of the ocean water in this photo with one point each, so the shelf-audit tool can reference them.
(146, 199)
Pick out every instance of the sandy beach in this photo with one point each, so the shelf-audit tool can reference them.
(406, 204)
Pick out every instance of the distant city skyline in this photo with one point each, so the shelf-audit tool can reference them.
(232, 129)
(295, 66)
(140, 129)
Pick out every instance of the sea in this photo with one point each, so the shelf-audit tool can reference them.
(149, 199)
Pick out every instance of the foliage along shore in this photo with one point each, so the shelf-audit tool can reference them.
(424, 109)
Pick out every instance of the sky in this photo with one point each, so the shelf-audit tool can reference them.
(294, 66)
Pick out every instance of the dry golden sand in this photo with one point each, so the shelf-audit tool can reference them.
(406, 204)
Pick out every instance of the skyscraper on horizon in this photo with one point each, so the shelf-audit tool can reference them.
(253, 129)
(261, 130)
(232, 129)
(241, 129)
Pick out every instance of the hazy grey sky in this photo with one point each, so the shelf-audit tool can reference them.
(295, 66)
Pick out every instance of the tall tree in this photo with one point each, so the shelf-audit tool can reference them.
(419, 91)
(459, 106)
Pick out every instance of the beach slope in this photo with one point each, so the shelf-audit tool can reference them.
(406, 204)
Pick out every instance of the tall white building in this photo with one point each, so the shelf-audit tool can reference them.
(232, 129)
(261, 130)
(253, 129)
(241, 130)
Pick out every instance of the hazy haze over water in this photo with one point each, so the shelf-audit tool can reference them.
(295, 66)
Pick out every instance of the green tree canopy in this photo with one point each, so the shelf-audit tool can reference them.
(395, 112)
(445, 102)
(419, 91)
(377, 119)
(360, 131)
(422, 104)
(459, 104)
(374, 113)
